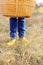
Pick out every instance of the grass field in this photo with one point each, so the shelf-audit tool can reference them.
(22, 53)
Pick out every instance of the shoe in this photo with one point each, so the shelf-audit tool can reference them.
(23, 39)
(11, 43)
(23, 42)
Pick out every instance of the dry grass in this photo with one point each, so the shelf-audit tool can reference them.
(22, 53)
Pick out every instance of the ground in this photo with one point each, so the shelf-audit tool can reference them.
(26, 53)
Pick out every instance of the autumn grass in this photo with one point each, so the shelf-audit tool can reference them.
(22, 53)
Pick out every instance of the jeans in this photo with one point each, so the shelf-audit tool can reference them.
(17, 24)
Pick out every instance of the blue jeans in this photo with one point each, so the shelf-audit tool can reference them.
(17, 24)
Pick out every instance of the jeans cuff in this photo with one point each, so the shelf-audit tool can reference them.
(13, 35)
(22, 35)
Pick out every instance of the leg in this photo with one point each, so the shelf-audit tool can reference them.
(13, 27)
(21, 27)
(21, 31)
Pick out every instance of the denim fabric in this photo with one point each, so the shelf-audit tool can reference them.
(17, 24)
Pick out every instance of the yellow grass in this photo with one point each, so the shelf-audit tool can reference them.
(40, 10)
(22, 53)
